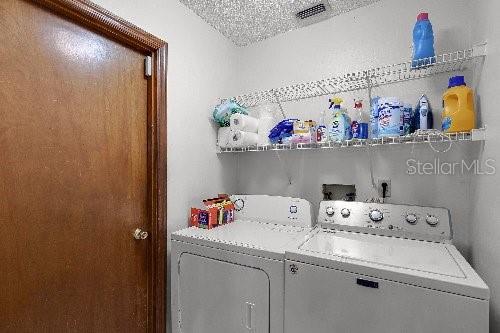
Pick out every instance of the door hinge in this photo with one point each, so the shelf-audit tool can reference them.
(148, 66)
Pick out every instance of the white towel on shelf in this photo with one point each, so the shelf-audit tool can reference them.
(244, 123)
(240, 139)
(224, 137)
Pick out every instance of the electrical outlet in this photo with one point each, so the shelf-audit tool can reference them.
(381, 189)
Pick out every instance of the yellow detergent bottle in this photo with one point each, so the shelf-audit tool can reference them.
(458, 102)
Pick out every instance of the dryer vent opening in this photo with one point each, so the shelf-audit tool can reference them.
(338, 192)
(311, 11)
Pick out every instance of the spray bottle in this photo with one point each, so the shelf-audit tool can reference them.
(339, 128)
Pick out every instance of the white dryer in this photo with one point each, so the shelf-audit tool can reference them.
(230, 279)
(382, 268)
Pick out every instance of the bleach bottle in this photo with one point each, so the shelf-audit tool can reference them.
(359, 125)
(458, 101)
(423, 42)
(422, 118)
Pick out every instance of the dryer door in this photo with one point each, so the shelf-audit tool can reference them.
(217, 296)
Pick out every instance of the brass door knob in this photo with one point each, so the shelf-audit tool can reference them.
(140, 234)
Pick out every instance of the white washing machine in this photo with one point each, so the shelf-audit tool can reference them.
(382, 268)
(230, 279)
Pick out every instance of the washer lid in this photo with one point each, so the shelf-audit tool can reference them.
(433, 265)
(391, 252)
(254, 238)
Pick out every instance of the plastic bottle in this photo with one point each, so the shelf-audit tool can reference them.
(321, 129)
(422, 117)
(374, 118)
(458, 114)
(407, 120)
(423, 42)
(339, 128)
(359, 125)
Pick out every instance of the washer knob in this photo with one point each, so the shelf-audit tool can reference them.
(345, 212)
(432, 220)
(411, 218)
(330, 211)
(376, 215)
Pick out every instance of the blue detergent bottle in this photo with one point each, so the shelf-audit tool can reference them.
(423, 42)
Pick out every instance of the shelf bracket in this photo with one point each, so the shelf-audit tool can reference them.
(369, 105)
(479, 50)
(478, 134)
(275, 94)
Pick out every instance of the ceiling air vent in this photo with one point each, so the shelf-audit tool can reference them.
(311, 11)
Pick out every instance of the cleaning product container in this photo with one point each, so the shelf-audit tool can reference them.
(423, 42)
(340, 127)
(359, 125)
(459, 114)
(407, 119)
(389, 117)
(423, 119)
(374, 118)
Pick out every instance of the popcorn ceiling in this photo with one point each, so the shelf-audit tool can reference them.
(250, 21)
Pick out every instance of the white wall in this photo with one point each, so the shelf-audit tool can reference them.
(200, 64)
(485, 231)
(375, 35)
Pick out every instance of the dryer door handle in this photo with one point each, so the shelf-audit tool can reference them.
(248, 315)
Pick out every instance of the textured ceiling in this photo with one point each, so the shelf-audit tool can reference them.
(249, 21)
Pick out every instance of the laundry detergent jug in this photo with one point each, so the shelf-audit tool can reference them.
(423, 42)
(458, 101)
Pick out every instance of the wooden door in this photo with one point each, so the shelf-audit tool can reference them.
(77, 165)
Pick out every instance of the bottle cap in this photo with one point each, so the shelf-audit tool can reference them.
(423, 17)
(336, 102)
(456, 81)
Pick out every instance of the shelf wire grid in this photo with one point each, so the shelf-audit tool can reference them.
(366, 79)
(434, 137)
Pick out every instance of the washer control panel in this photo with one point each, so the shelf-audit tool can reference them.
(414, 222)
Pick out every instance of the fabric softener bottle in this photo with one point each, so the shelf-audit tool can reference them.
(423, 42)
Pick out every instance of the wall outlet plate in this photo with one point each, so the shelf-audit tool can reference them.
(380, 188)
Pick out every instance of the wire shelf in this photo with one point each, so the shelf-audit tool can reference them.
(373, 77)
(433, 137)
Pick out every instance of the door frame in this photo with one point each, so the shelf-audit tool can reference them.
(98, 19)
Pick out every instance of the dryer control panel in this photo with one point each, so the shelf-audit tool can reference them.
(413, 222)
(273, 209)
